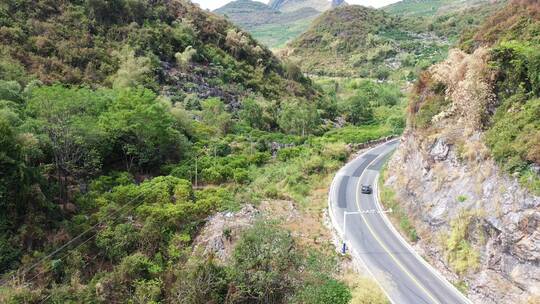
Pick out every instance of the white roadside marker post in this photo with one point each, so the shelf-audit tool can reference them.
(346, 213)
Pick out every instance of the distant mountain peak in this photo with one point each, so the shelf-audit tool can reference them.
(336, 3)
(292, 5)
(276, 4)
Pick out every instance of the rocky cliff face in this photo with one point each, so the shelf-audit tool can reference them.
(500, 220)
(475, 222)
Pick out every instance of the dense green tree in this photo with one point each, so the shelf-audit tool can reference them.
(117, 242)
(265, 266)
(10, 90)
(252, 113)
(298, 117)
(214, 114)
(113, 11)
(328, 106)
(10, 182)
(378, 94)
(141, 131)
(293, 71)
(358, 110)
(68, 119)
(20, 195)
(11, 69)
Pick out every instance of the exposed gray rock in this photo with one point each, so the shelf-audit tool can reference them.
(436, 186)
(276, 146)
(222, 230)
(439, 150)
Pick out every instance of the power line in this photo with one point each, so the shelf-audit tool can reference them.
(65, 255)
(43, 259)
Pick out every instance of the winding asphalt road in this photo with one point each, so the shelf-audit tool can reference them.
(403, 275)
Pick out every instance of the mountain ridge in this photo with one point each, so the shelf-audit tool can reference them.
(292, 5)
(415, 8)
(361, 41)
(278, 21)
(250, 14)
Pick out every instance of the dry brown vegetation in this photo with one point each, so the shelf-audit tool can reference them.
(468, 86)
(460, 87)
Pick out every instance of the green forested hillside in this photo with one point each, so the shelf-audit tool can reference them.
(251, 14)
(155, 45)
(270, 26)
(125, 125)
(293, 5)
(359, 41)
(428, 8)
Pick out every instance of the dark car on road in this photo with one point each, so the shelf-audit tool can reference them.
(366, 189)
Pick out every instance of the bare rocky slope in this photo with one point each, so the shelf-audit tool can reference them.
(472, 203)
(476, 214)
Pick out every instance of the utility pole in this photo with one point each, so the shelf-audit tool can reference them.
(250, 145)
(196, 157)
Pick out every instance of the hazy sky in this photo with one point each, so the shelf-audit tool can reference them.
(213, 4)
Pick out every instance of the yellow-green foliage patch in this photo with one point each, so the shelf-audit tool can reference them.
(366, 291)
(460, 253)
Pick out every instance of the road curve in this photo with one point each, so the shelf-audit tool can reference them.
(403, 275)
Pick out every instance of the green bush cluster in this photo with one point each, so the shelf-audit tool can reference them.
(267, 267)
(57, 136)
(357, 135)
(296, 170)
(364, 102)
(514, 132)
(460, 253)
(217, 170)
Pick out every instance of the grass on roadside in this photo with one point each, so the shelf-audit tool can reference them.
(388, 199)
(356, 135)
(364, 290)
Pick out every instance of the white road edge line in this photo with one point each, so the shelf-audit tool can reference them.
(408, 246)
(388, 223)
(340, 231)
(377, 238)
